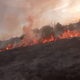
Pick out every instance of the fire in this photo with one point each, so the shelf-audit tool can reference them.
(9, 46)
(51, 38)
(69, 34)
(66, 34)
(35, 41)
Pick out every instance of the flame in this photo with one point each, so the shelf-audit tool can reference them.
(9, 46)
(51, 38)
(35, 41)
(66, 34)
(69, 34)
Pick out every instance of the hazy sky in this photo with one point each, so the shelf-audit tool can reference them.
(14, 13)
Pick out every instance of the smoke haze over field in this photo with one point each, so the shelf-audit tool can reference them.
(14, 15)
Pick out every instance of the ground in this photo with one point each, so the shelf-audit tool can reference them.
(50, 61)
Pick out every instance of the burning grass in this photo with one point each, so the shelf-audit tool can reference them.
(64, 35)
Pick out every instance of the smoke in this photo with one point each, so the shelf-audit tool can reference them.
(56, 30)
(27, 29)
(19, 17)
(9, 19)
(29, 34)
(45, 32)
(12, 23)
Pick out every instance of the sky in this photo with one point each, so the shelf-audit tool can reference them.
(14, 14)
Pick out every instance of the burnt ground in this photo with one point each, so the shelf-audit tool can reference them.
(51, 61)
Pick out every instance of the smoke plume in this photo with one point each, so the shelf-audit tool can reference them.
(19, 17)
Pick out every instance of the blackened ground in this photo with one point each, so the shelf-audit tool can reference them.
(51, 61)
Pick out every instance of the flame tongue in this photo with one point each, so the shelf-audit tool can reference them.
(69, 33)
(66, 34)
(51, 38)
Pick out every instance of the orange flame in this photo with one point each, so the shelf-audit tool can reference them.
(9, 46)
(66, 34)
(69, 34)
(51, 38)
